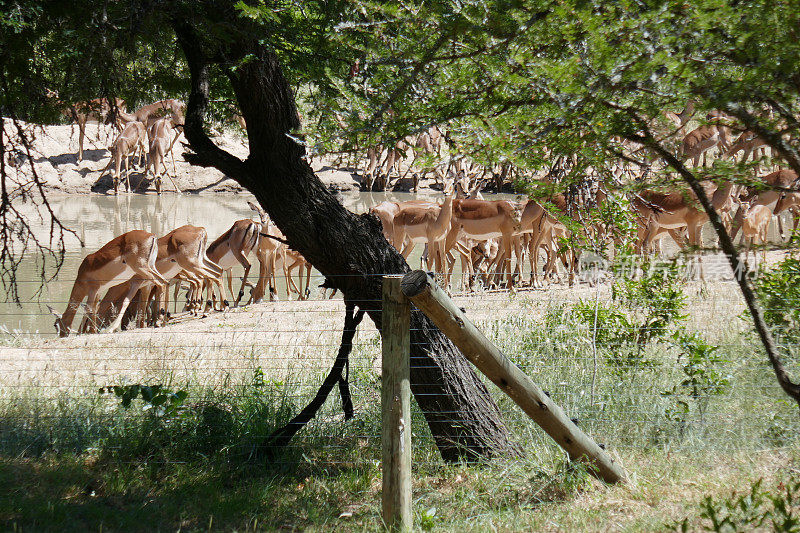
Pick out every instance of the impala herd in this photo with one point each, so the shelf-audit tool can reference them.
(493, 239)
(135, 269)
(150, 132)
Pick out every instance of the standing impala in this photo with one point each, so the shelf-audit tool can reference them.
(129, 141)
(131, 254)
(773, 197)
(428, 225)
(159, 133)
(486, 219)
(273, 254)
(169, 106)
(181, 251)
(672, 211)
(231, 249)
(680, 119)
(96, 110)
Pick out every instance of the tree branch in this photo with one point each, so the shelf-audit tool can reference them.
(773, 138)
(739, 268)
(206, 153)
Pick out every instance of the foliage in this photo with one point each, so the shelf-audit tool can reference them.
(775, 509)
(700, 366)
(75, 459)
(158, 400)
(220, 425)
(646, 301)
(647, 306)
(562, 78)
(778, 289)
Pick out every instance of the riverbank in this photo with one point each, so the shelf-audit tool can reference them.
(54, 152)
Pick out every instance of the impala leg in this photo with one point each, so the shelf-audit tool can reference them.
(257, 293)
(84, 325)
(780, 226)
(273, 283)
(229, 276)
(175, 294)
(535, 257)
(172, 155)
(135, 284)
(159, 300)
(290, 282)
(166, 302)
(246, 265)
(92, 303)
(308, 279)
(141, 302)
(81, 134)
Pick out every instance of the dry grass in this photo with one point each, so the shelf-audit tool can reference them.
(334, 481)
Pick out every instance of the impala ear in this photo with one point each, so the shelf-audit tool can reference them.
(448, 189)
(260, 212)
(53, 311)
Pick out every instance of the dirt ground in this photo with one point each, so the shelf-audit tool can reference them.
(285, 338)
(55, 156)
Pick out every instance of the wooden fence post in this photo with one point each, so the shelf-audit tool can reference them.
(396, 406)
(448, 317)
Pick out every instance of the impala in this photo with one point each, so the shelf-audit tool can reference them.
(97, 110)
(180, 252)
(673, 211)
(755, 223)
(131, 254)
(160, 132)
(482, 220)
(129, 141)
(429, 225)
(169, 106)
(780, 179)
(680, 119)
(232, 248)
(747, 142)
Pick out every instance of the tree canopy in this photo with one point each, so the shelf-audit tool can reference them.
(514, 81)
(528, 81)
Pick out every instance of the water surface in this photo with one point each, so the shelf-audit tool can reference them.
(99, 218)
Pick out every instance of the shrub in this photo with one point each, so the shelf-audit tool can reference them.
(777, 509)
(702, 378)
(642, 310)
(778, 289)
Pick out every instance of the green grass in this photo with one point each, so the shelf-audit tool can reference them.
(81, 462)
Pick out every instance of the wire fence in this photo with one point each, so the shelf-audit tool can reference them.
(246, 371)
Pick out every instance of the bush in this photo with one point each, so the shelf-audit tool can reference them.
(778, 289)
(702, 379)
(777, 509)
(641, 312)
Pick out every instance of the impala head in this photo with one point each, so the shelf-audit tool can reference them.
(260, 212)
(450, 188)
(61, 328)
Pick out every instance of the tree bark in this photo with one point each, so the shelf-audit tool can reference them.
(348, 249)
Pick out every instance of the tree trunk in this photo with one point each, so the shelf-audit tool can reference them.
(348, 249)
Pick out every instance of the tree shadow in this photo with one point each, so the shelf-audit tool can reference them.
(210, 186)
(94, 155)
(138, 183)
(78, 494)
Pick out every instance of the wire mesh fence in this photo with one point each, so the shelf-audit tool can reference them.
(223, 383)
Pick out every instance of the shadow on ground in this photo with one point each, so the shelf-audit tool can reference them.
(72, 494)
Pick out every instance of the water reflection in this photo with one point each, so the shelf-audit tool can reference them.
(98, 219)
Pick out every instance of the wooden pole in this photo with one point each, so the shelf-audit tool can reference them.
(434, 302)
(396, 406)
